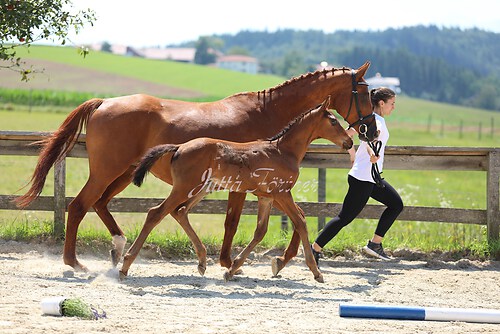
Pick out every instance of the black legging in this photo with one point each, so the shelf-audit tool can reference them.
(355, 200)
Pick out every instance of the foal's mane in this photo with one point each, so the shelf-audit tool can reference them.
(291, 124)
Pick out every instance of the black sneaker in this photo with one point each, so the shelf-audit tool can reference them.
(317, 255)
(376, 250)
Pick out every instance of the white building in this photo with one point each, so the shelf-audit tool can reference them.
(379, 81)
(184, 55)
(238, 63)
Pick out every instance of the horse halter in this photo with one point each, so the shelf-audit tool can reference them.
(363, 128)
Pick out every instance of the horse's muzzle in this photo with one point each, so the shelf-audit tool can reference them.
(347, 144)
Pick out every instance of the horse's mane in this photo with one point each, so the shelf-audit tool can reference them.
(290, 125)
(302, 77)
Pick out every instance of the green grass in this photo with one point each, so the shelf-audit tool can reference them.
(27, 228)
(40, 98)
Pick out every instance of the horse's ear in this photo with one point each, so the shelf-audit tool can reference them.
(362, 70)
(326, 103)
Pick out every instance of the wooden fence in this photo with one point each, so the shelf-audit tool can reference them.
(318, 156)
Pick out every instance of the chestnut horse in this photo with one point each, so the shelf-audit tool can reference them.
(266, 168)
(120, 130)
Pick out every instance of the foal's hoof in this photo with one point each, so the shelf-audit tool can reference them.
(202, 269)
(227, 276)
(123, 275)
(238, 271)
(276, 265)
(115, 258)
(319, 278)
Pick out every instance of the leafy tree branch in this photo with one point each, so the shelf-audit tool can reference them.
(23, 22)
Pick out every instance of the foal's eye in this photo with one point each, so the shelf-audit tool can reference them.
(333, 120)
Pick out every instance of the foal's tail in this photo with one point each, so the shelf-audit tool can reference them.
(149, 159)
(56, 146)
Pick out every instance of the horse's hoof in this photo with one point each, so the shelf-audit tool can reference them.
(123, 275)
(227, 276)
(238, 271)
(276, 265)
(73, 263)
(78, 267)
(115, 259)
(319, 278)
(69, 274)
(202, 269)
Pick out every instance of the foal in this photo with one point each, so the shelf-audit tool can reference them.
(266, 168)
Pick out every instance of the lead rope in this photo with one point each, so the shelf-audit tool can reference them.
(375, 171)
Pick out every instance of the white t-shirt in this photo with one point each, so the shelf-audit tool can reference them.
(362, 167)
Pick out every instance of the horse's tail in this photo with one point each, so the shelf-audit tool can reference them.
(55, 147)
(149, 160)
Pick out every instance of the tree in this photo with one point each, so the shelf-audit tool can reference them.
(25, 22)
(106, 47)
(487, 97)
(206, 50)
(292, 64)
(202, 56)
(238, 50)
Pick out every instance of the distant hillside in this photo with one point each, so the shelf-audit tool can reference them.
(63, 77)
(447, 65)
(107, 73)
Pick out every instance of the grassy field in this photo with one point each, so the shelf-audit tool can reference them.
(211, 81)
(414, 123)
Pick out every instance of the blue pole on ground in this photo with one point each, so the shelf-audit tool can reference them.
(419, 313)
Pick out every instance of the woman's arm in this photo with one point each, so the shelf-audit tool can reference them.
(373, 157)
(352, 154)
(352, 151)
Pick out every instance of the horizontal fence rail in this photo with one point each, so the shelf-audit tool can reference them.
(318, 156)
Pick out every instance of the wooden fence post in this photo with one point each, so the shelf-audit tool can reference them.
(284, 224)
(59, 198)
(321, 194)
(492, 196)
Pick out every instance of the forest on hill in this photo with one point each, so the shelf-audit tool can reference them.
(440, 64)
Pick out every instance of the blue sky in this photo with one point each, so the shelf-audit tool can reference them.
(161, 22)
